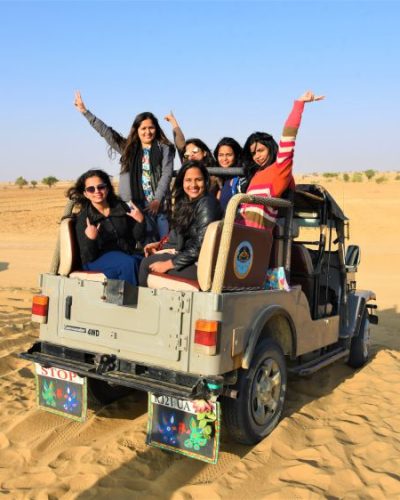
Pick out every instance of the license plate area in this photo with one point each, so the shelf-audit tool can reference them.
(61, 392)
(188, 427)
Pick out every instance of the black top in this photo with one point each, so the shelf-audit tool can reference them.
(118, 231)
(206, 210)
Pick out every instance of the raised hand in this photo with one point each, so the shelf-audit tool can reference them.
(78, 102)
(135, 213)
(309, 96)
(171, 119)
(91, 230)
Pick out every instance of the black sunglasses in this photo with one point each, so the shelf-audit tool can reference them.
(99, 187)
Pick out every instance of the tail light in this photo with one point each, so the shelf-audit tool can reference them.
(206, 336)
(40, 308)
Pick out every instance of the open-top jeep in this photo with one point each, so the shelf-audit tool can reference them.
(224, 335)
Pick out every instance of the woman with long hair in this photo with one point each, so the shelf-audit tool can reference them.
(147, 158)
(194, 208)
(107, 229)
(269, 166)
(228, 154)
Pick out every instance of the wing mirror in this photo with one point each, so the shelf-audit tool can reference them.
(353, 257)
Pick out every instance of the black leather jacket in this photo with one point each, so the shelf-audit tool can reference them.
(206, 210)
(118, 231)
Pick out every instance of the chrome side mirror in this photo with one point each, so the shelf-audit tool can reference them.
(353, 257)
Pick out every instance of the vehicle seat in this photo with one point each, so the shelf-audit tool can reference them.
(247, 262)
(70, 262)
(302, 270)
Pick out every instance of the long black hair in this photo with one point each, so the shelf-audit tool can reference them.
(76, 192)
(183, 207)
(208, 160)
(128, 145)
(266, 140)
(234, 145)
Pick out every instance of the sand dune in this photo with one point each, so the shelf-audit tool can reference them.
(339, 436)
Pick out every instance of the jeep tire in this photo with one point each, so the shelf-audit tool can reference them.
(261, 395)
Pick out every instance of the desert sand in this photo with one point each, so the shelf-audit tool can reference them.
(339, 437)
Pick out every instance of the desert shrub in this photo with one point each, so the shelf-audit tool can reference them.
(20, 182)
(357, 177)
(49, 181)
(346, 177)
(397, 178)
(369, 173)
(330, 175)
(34, 183)
(381, 179)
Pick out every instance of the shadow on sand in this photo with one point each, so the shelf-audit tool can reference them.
(3, 266)
(167, 472)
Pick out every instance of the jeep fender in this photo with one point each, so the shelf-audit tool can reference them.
(355, 307)
(257, 329)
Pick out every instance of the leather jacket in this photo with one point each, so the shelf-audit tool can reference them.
(118, 231)
(206, 210)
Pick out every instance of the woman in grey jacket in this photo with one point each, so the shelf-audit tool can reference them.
(147, 158)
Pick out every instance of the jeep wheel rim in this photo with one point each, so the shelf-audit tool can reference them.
(266, 391)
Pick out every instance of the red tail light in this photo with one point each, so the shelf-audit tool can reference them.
(40, 308)
(206, 336)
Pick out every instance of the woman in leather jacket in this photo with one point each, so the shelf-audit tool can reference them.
(107, 229)
(194, 209)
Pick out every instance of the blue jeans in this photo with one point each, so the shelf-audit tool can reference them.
(117, 265)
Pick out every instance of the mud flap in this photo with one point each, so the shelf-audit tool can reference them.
(188, 427)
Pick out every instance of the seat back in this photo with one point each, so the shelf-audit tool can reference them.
(302, 270)
(69, 252)
(70, 262)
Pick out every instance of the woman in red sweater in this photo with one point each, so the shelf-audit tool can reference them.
(270, 166)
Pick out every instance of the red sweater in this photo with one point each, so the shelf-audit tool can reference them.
(272, 181)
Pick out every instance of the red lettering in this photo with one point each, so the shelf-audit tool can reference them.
(62, 374)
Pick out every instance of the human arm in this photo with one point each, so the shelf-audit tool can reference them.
(113, 138)
(167, 166)
(87, 234)
(179, 137)
(162, 266)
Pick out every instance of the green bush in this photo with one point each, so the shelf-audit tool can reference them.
(330, 175)
(369, 173)
(34, 184)
(346, 177)
(20, 182)
(49, 181)
(381, 179)
(357, 177)
(397, 178)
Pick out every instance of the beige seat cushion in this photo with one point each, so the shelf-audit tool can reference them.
(161, 280)
(89, 275)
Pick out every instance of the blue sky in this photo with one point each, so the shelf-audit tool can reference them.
(223, 67)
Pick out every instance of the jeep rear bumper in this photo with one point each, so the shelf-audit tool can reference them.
(157, 380)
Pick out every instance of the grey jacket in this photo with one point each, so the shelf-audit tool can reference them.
(167, 163)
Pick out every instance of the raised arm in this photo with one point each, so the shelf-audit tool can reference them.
(113, 138)
(179, 137)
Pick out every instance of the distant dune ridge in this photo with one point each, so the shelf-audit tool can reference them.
(339, 437)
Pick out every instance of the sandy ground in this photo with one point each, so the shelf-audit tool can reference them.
(339, 437)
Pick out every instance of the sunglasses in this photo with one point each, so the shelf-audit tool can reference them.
(193, 152)
(99, 187)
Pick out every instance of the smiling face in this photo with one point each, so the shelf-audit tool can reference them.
(96, 190)
(193, 152)
(260, 153)
(146, 132)
(194, 184)
(226, 156)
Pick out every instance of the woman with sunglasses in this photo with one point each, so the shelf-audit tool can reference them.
(193, 210)
(269, 166)
(107, 229)
(147, 159)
